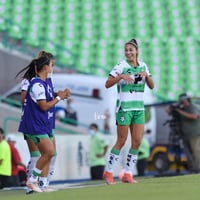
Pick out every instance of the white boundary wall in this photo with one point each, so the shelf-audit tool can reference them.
(72, 158)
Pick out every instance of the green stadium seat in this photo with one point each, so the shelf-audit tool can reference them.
(50, 47)
(16, 32)
(2, 24)
(19, 22)
(168, 31)
(32, 40)
(5, 10)
(67, 59)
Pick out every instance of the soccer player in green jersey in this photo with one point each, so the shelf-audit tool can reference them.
(130, 75)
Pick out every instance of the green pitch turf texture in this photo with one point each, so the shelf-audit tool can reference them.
(184, 187)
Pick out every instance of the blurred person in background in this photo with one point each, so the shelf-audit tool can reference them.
(14, 179)
(143, 154)
(131, 76)
(5, 160)
(107, 121)
(187, 116)
(70, 116)
(97, 151)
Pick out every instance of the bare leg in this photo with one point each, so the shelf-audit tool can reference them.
(137, 131)
(122, 133)
(46, 149)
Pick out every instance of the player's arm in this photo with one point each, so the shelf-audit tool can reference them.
(147, 75)
(23, 95)
(24, 87)
(112, 81)
(65, 90)
(44, 105)
(149, 82)
(39, 95)
(191, 116)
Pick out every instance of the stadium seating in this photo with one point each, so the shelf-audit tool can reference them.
(89, 35)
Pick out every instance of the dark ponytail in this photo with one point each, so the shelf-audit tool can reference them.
(34, 67)
(44, 53)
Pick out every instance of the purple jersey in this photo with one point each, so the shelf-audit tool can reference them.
(49, 82)
(34, 120)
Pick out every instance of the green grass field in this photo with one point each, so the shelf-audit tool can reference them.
(185, 187)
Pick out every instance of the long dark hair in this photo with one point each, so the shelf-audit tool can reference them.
(34, 67)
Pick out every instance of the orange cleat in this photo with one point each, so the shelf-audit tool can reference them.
(128, 178)
(108, 176)
(33, 186)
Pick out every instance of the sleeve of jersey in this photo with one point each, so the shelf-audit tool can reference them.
(38, 91)
(147, 70)
(24, 84)
(116, 71)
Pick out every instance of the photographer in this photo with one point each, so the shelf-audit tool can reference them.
(189, 125)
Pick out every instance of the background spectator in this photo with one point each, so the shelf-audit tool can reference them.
(69, 115)
(14, 179)
(97, 152)
(5, 160)
(186, 117)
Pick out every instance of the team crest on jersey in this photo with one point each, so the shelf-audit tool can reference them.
(129, 71)
(122, 118)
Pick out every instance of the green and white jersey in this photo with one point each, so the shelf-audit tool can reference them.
(130, 96)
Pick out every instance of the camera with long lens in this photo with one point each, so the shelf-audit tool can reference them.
(174, 123)
(174, 106)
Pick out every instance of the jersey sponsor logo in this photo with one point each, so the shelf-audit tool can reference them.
(131, 91)
(25, 84)
(40, 94)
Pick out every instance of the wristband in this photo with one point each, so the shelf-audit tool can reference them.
(58, 98)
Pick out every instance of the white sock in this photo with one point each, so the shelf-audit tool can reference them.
(35, 174)
(31, 165)
(130, 162)
(43, 182)
(113, 158)
(51, 169)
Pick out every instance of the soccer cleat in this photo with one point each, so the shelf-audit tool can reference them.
(128, 178)
(121, 174)
(108, 176)
(33, 186)
(29, 191)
